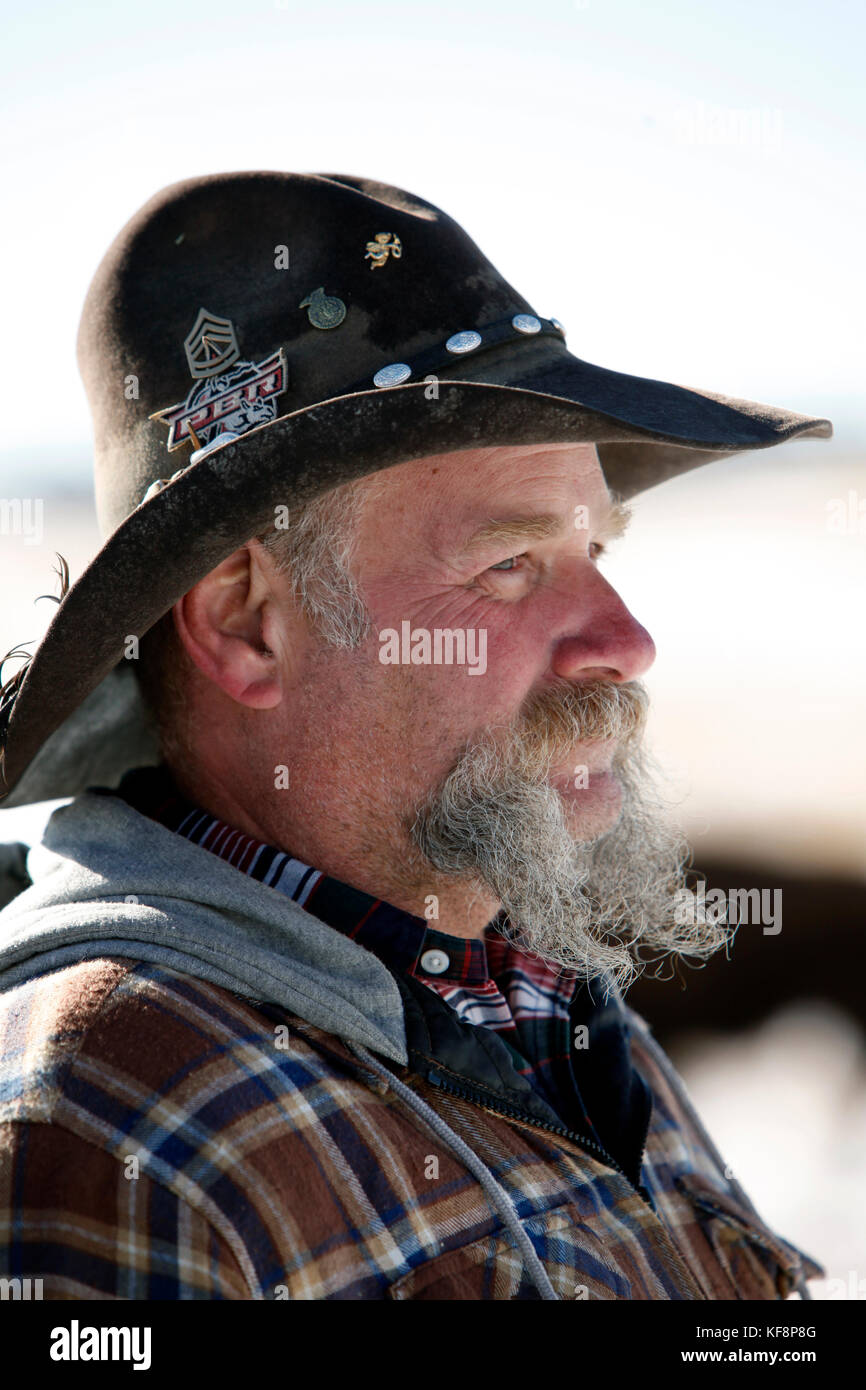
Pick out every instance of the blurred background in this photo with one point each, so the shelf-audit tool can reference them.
(684, 187)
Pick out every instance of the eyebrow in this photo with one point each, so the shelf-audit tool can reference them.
(541, 526)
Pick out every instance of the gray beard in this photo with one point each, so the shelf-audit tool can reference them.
(595, 907)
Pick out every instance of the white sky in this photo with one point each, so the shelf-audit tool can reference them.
(682, 183)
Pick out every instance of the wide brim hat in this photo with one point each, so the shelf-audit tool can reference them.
(252, 340)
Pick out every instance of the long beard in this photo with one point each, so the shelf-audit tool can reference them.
(603, 906)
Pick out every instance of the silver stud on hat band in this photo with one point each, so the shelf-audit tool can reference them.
(526, 323)
(393, 374)
(216, 443)
(158, 484)
(464, 342)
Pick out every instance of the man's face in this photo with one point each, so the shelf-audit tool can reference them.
(502, 544)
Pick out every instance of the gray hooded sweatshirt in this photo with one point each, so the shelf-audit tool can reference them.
(108, 881)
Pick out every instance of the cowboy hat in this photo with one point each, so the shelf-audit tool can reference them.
(252, 340)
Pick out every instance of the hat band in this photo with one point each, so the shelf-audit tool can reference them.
(462, 344)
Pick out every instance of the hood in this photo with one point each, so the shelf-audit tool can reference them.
(107, 881)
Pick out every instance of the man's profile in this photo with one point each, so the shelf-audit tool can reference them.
(316, 987)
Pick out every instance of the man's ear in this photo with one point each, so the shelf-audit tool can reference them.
(223, 623)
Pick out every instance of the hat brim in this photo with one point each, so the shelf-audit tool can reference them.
(77, 718)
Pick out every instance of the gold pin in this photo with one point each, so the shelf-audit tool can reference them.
(383, 245)
(323, 310)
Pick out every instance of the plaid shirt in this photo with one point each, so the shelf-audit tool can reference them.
(489, 982)
(163, 1138)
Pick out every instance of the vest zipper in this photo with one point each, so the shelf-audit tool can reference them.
(496, 1108)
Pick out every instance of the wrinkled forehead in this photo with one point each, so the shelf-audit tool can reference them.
(461, 491)
(464, 477)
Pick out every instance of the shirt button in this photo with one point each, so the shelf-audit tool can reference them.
(435, 962)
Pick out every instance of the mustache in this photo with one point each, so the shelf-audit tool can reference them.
(564, 713)
(594, 906)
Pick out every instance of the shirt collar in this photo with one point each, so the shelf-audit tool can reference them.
(402, 940)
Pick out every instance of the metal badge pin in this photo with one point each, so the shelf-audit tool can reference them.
(323, 310)
(463, 342)
(383, 245)
(211, 345)
(556, 323)
(526, 323)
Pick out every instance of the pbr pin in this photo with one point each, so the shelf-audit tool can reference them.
(230, 396)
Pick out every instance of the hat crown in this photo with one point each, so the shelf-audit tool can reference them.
(230, 300)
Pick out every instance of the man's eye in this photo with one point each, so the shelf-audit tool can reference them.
(505, 565)
(596, 549)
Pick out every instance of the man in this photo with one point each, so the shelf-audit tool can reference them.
(316, 988)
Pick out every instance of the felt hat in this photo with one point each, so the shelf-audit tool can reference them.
(251, 340)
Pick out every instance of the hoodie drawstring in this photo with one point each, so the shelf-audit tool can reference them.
(496, 1193)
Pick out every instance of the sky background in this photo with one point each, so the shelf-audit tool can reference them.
(682, 184)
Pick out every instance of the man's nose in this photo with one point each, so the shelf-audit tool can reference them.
(605, 641)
